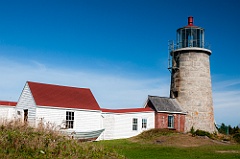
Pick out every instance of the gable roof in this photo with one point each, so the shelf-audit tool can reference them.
(8, 103)
(63, 96)
(129, 110)
(164, 104)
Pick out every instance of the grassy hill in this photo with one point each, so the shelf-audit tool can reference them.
(19, 141)
(165, 144)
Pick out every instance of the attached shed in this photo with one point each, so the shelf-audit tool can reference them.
(168, 113)
(7, 110)
(63, 107)
(125, 123)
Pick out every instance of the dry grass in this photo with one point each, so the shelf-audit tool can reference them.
(167, 137)
(21, 141)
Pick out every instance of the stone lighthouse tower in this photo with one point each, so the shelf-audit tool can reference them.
(190, 77)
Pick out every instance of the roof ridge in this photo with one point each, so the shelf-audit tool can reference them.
(50, 84)
(123, 108)
(160, 97)
(8, 101)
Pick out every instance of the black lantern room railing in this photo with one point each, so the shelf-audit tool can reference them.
(189, 36)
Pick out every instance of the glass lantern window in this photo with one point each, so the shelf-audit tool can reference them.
(190, 37)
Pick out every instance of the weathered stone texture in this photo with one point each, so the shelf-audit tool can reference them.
(192, 81)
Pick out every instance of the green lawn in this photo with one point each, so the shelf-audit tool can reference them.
(19, 141)
(135, 150)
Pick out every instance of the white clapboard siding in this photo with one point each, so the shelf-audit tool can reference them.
(50, 115)
(87, 120)
(6, 113)
(108, 124)
(84, 120)
(122, 124)
(26, 101)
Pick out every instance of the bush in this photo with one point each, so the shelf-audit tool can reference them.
(153, 133)
(236, 137)
(192, 131)
(203, 133)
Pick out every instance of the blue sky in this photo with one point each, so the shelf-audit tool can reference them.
(118, 49)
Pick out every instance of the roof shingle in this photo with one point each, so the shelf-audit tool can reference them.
(165, 104)
(8, 103)
(63, 96)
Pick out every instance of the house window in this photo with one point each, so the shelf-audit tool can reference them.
(144, 123)
(69, 120)
(135, 124)
(170, 121)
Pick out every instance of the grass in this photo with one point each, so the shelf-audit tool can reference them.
(134, 150)
(19, 141)
(165, 144)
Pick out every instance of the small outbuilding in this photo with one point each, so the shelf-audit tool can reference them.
(168, 112)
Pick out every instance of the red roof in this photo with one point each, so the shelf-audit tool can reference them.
(8, 103)
(63, 96)
(130, 110)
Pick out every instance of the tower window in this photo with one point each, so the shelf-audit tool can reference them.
(170, 121)
(69, 120)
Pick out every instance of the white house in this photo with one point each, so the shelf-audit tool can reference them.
(62, 106)
(75, 111)
(7, 110)
(125, 123)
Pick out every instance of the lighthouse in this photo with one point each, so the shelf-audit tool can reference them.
(189, 65)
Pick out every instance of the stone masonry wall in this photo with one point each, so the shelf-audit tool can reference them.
(192, 82)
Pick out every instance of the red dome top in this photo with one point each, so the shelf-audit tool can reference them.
(190, 21)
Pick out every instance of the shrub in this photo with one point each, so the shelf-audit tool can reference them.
(192, 131)
(203, 133)
(153, 133)
(236, 137)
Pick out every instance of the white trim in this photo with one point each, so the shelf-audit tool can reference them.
(172, 112)
(7, 106)
(51, 107)
(145, 103)
(193, 48)
(172, 122)
(127, 112)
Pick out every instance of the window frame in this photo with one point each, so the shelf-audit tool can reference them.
(171, 121)
(135, 124)
(144, 123)
(69, 120)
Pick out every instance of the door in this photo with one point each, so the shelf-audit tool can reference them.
(25, 115)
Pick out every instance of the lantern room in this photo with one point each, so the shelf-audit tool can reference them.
(190, 36)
